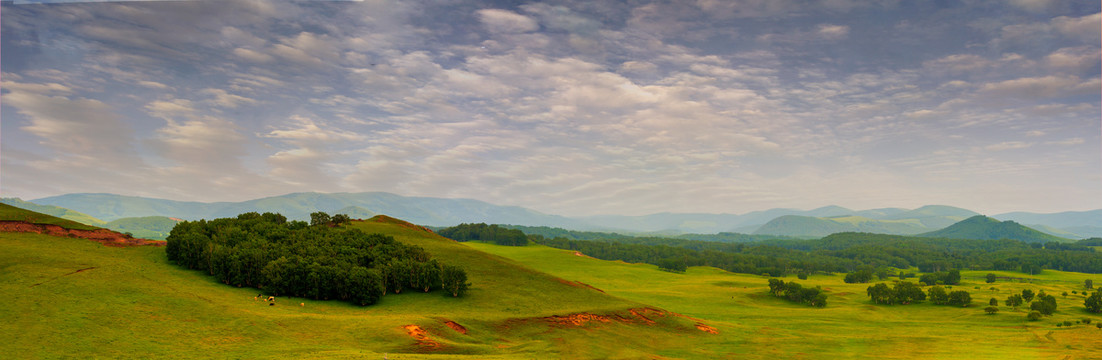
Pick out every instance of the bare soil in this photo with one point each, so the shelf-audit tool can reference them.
(102, 236)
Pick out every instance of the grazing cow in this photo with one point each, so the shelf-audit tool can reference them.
(302, 304)
(271, 299)
(271, 304)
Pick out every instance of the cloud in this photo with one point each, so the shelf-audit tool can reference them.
(833, 32)
(1043, 87)
(80, 127)
(505, 21)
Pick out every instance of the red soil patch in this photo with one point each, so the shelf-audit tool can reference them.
(383, 219)
(103, 236)
(707, 329)
(176, 219)
(642, 315)
(589, 286)
(455, 326)
(422, 337)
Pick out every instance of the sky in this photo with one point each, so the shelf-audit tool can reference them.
(564, 107)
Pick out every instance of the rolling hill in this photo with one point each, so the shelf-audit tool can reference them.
(148, 227)
(984, 228)
(54, 211)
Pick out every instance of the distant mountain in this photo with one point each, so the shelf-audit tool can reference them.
(356, 212)
(984, 228)
(807, 226)
(146, 227)
(55, 211)
(298, 206)
(1062, 220)
(934, 216)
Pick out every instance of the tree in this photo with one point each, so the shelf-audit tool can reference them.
(776, 286)
(801, 275)
(1027, 295)
(858, 277)
(1034, 316)
(1045, 304)
(1088, 284)
(1094, 302)
(454, 280)
(1014, 300)
(990, 278)
(953, 277)
(937, 295)
(319, 218)
(991, 310)
(993, 302)
(881, 294)
(340, 219)
(907, 292)
(960, 297)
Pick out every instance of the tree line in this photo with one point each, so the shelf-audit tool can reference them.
(482, 232)
(319, 261)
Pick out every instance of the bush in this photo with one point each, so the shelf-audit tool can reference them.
(1067, 323)
(1086, 320)
(991, 310)
(801, 275)
(1034, 316)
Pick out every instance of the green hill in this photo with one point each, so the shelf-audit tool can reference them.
(70, 298)
(356, 212)
(146, 227)
(984, 228)
(12, 213)
(54, 211)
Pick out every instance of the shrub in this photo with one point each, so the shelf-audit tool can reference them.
(1034, 316)
(991, 310)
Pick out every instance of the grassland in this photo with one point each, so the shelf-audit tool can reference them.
(73, 298)
(754, 325)
(12, 213)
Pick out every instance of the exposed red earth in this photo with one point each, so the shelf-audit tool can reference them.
(103, 236)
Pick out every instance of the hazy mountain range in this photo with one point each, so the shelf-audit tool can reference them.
(445, 212)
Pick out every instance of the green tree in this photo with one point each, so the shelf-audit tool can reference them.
(1045, 304)
(991, 310)
(858, 277)
(1014, 300)
(454, 280)
(993, 302)
(1088, 283)
(1034, 316)
(937, 295)
(801, 275)
(1094, 302)
(990, 278)
(1027, 295)
(907, 292)
(776, 286)
(960, 298)
(953, 277)
(881, 294)
(340, 219)
(319, 218)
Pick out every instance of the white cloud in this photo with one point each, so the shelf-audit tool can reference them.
(505, 21)
(1043, 87)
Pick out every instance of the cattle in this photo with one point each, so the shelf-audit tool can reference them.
(302, 304)
(271, 299)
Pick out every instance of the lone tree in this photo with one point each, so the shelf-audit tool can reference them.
(1094, 302)
(991, 310)
(454, 279)
(1027, 295)
(960, 297)
(319, 218)
(990, 278)
(993, 302)
(1088, 284)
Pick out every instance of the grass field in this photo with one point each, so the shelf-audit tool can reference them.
(73, 298)
(11, 213)
(754, 325)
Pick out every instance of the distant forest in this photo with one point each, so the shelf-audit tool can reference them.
(317, 260)
(837, 253)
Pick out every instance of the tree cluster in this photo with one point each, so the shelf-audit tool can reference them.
(939, 296)
(295, 259)
(1045, 304)
(1094, 302)
(482, 232)
(901, 292)
(858, 277)
(796, 293)
(951, 277)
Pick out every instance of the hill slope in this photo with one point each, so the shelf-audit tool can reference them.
(984, 228)
(149, 227)
(87, 300)
(54, 211)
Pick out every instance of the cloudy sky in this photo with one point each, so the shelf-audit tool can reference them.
(566, 107)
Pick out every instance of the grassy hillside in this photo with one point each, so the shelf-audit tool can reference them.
(984, 228)
(146, 227)
(54, 211)
(72, 298)
(754, 325)
(12, 213)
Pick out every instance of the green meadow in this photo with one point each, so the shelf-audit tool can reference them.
(73, 298)
(752, 324)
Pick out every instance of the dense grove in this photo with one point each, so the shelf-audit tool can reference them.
(482, 232)
(842, 252)
(318, 261)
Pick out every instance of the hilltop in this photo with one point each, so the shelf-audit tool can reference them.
(981, 227)
(56, 211)
(18, 220)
